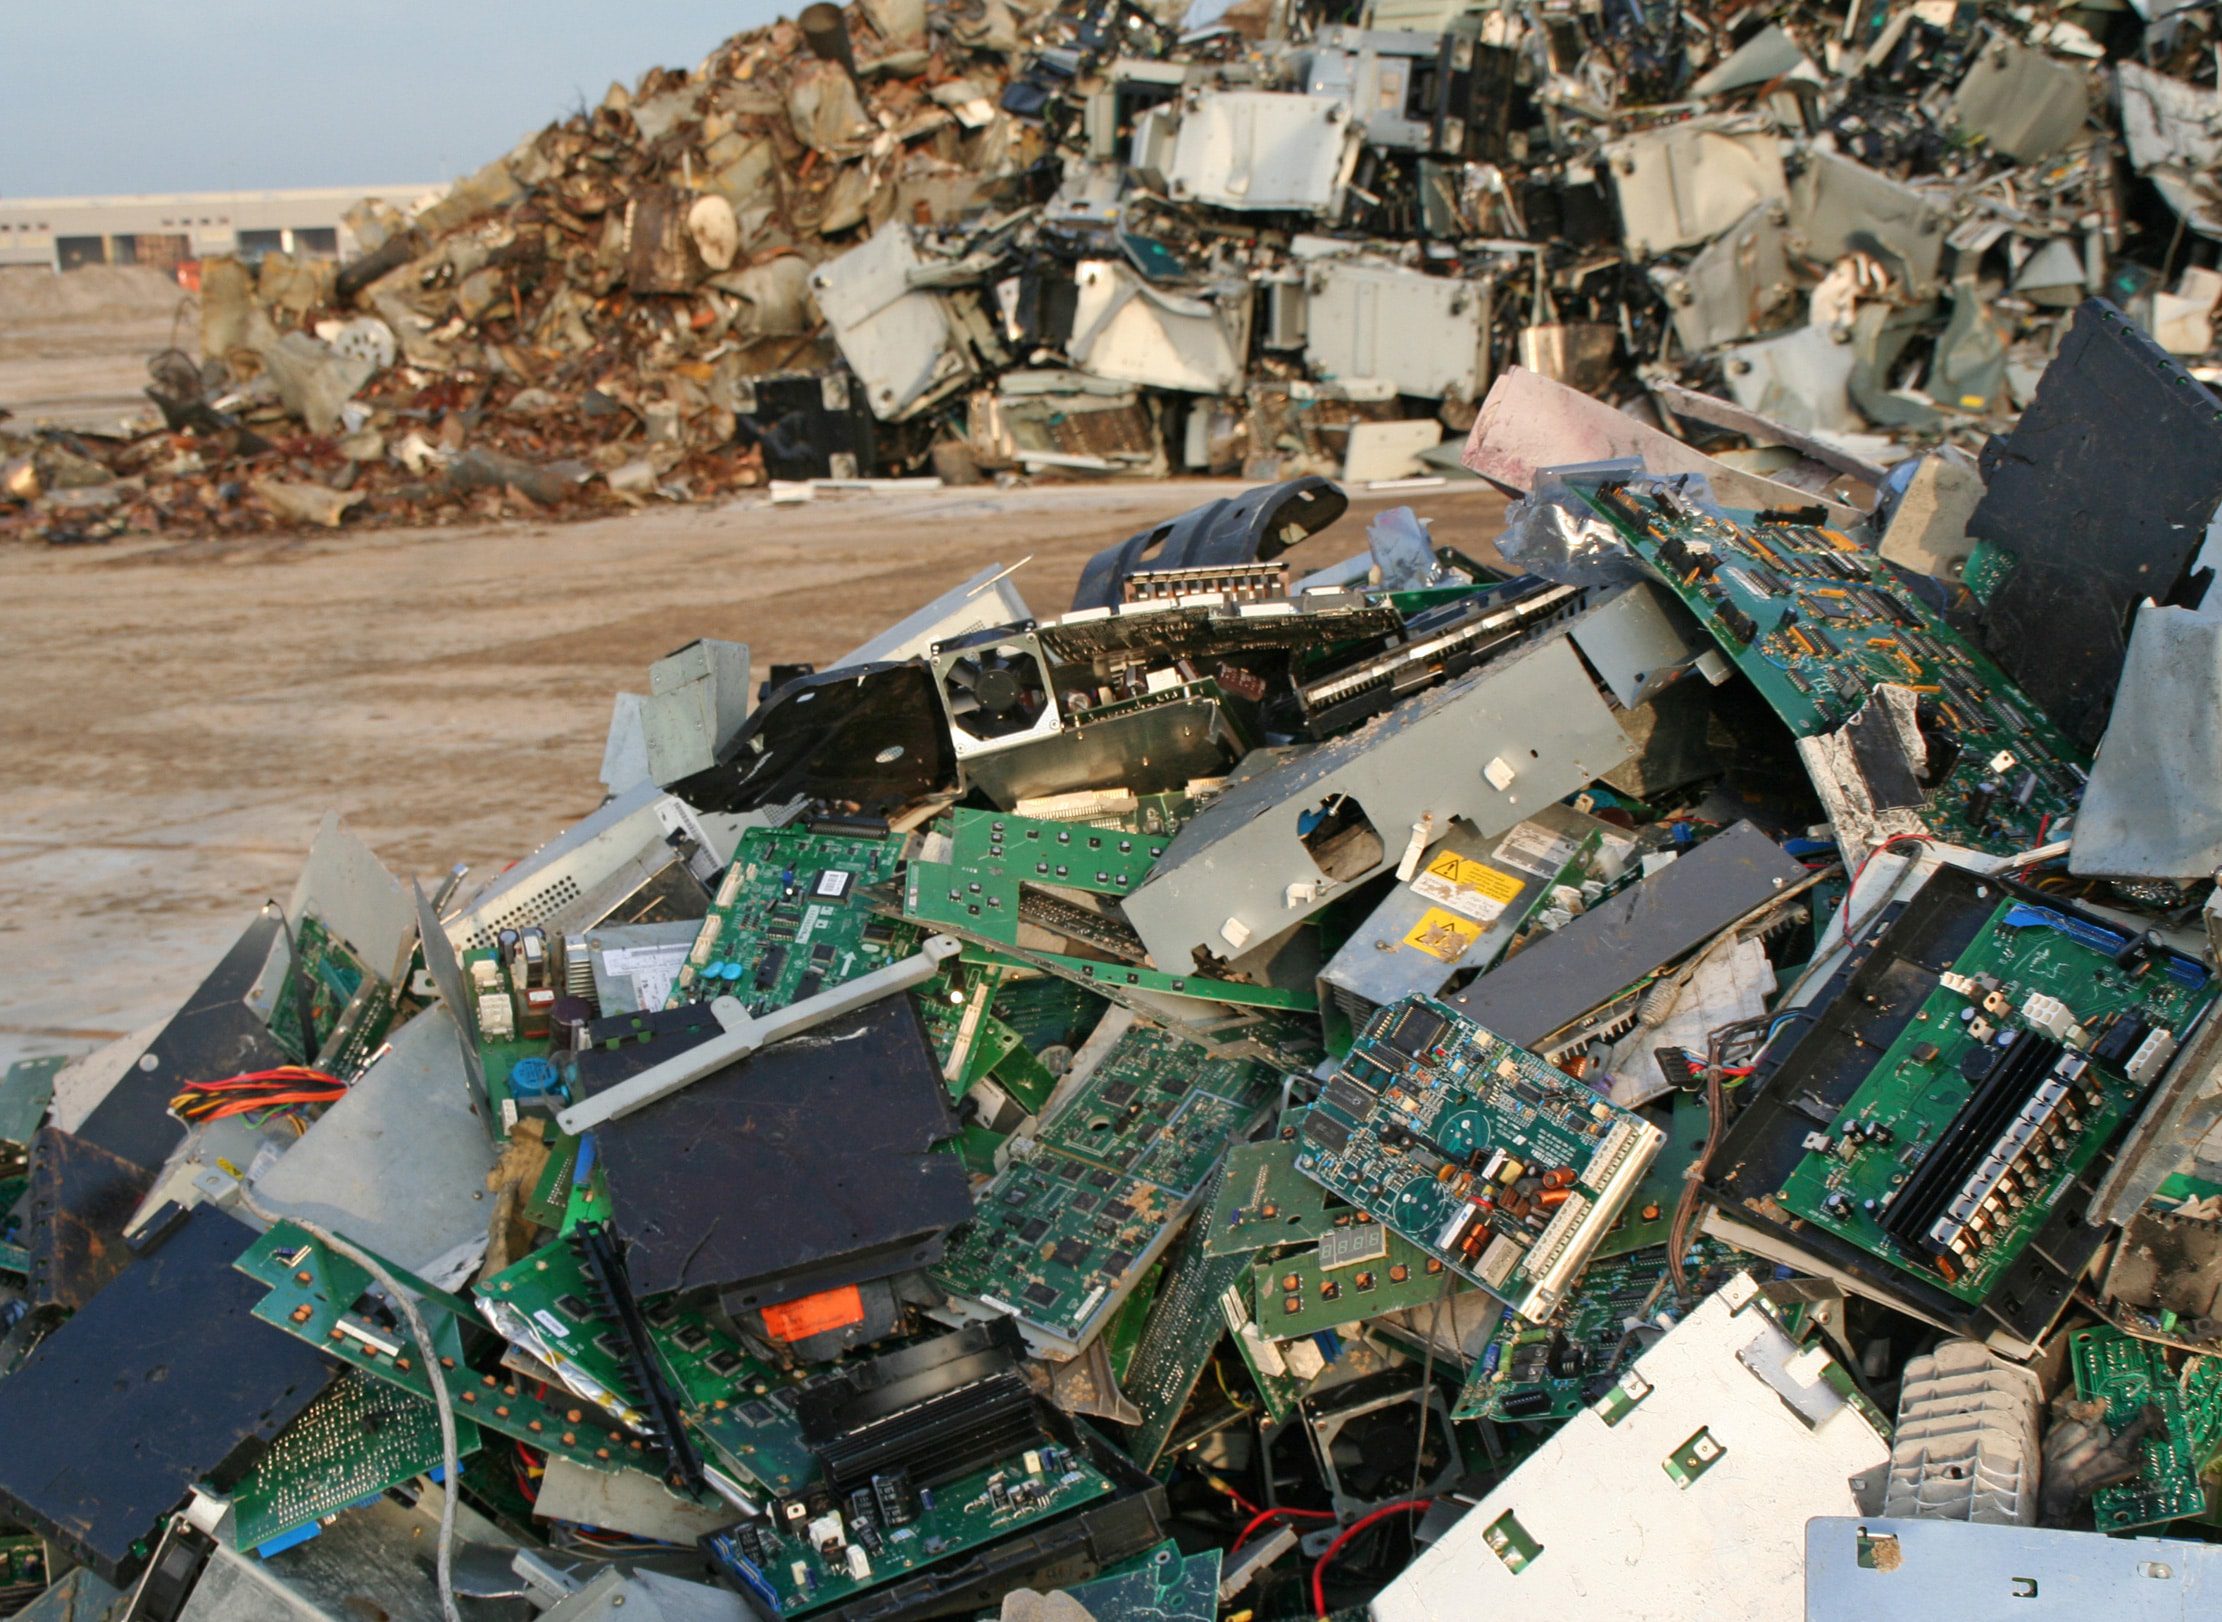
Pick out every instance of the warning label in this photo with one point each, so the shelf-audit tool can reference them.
(1443, 934)
(1465, 885)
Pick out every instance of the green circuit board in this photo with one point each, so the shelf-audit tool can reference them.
(1930, 1096)
(1818, 623)
(1264, 1201)
(1064, 1232)
(26, 1088)
(725, 1395)
(1161, 1585)
(349, 1006)
(2128, 1375)
(1645, 1219)
(1485, 1156)
(500, 1053)
(25, 1569)
(792, 1573)
(319, 1297)
(983, 872)
(353, 1442)
(738, 1404)
(1186, 1323)
(1359, 1271)
(14, 1257)
(791, 916)
(1537, 1373)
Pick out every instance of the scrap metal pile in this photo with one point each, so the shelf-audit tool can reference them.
(1675, 1078)
(1258, 238)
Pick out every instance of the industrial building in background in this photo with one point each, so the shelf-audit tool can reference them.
(975, 238)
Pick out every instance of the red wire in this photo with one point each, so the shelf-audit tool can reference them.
(1264, 1515)
(1319, 1566)
(1849, 889)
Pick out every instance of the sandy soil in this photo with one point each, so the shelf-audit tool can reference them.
(179, 716)
(74, 348)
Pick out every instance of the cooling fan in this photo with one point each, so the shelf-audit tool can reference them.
(996, 691)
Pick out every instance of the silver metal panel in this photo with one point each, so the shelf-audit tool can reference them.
(649, 1596)
(1738, 285)
(1127, 331)
(625, 751)
(400, 1163)
(375, 1561)
(2151, 810)
(1426, 335)
(1240, 873)
(1640, 642)
(894, 337)
(1601, 1514)
(1490, 886)
(1682, 184)
(2027, 104)
(350, 890)
(988, 599)
(1838, 206)
(1261, 149)
(1859, 1568)
(697, 699)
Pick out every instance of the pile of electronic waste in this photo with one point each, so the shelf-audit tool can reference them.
(1267, 238)
(1676, 1076)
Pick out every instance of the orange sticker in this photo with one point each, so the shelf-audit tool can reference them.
(815, 1314)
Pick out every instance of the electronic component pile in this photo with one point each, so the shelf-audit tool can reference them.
(1649, 1073)
(962, 239)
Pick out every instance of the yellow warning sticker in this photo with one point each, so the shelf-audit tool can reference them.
(1465, 885)
(1443, 934)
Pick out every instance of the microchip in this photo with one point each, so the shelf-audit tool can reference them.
(1329, 1133)
(821, 954)
(1033, 1228)
(1347, 1247)
(1072, 1252)
(833, 884)
(1348, 1097)
(1118, 1261)
(1415, 1030)
(572, 1307)
(1083, 1202)
(691, 1337)
(1041, 1295)
(725, 1362)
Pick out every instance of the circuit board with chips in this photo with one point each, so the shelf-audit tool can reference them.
(2023, 1062)
(1359, 1270)
(1482, 1154)
(729, 1398)
(1819, 624)
(2178, 1398)
(1187, 1321)
(1533, 1373)
(1160, 1586)
(320, 1297)
(791, 917)
(332, 1011)
(884, 1531)
(983, 873)
(1065, 1230)
(355, 1441)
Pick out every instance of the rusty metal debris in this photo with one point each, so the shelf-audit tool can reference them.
(1100, 239)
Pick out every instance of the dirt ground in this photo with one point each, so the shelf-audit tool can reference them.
(74, 348)
(180, 715)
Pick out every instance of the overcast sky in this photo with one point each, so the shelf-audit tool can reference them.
(228, 95)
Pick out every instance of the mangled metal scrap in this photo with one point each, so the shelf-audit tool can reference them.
(899, 245)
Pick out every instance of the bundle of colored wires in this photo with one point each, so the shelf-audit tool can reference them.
(289, 1086)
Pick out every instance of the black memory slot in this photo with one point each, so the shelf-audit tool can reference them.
(952, 1435)
(2014, 1078)
(605, 1270)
